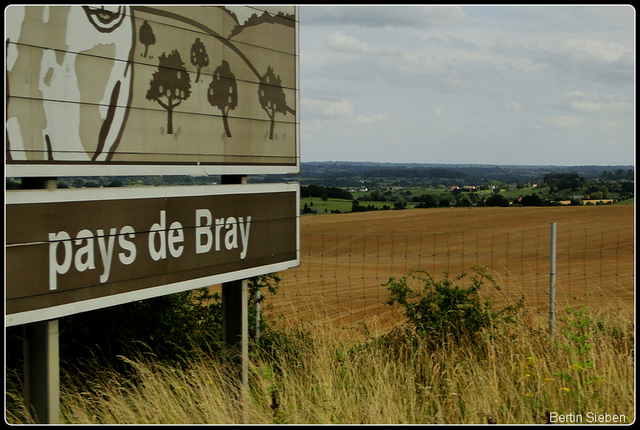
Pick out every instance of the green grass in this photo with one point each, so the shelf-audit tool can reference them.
(317, 204)
(511, 194)
(337, 204)
(626, 202)
(314, 376)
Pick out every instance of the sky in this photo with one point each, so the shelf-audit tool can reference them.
(524, 85)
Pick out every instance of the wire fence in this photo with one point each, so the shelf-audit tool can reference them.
(341, 278)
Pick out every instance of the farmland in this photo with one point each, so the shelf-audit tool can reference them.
(347, 257)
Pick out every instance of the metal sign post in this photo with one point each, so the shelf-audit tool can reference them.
(41, 352)
(42, 371)
(235, 311)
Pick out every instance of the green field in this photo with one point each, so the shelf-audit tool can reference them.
(317, 204)
(329, 205)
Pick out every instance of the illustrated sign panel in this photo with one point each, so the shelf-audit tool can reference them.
(69, 251)
(120, 90)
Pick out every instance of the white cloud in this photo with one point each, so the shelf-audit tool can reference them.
(350, 44)
(383, 16)
(587, 59)
(607, 108)
(596, 48)
(614, 124)
(591, 102)
(574, 94)
(342, 110)
(513, 106)
(370, 119)
(563, 121)
(328, 109)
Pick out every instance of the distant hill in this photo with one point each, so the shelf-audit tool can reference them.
(356, 174)
(337, 173)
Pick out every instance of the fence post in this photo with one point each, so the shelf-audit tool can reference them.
(552, 282)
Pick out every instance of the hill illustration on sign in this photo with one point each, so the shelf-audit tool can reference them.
(127, 85)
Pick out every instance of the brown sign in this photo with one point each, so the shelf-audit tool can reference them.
(124, 90)
(69, 251)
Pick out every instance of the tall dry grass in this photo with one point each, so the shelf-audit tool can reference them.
(508, 377)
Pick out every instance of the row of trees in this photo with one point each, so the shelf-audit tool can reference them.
(397, 205)
(123, 181)
(325, 192)
(618, 175)
(447, 200)
(373, 175)
(170, 85)
(433, 201)
(564, 180)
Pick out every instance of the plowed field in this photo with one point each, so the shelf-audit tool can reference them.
(345, 258)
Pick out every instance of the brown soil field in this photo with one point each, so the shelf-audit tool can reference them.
(346, 259)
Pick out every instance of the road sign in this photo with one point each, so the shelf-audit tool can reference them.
(73, 250)
(135, 90)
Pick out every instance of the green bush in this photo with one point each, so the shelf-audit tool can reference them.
(579, 376)
(257, 287)
(497, 200)
(169, 326)
(442, 308)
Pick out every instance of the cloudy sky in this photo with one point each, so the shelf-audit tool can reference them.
(473, 84)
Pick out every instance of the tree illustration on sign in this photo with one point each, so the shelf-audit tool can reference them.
(147, 37)
(170, 83)
(271, 96)
(199, 57)
(223, 92)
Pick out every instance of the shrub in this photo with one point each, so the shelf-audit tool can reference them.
(497, 200)
(257, 285)
(169, 326)
(579, 377)
(532, 200)
(443, 308)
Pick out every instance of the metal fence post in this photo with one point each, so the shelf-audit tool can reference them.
(552, 281)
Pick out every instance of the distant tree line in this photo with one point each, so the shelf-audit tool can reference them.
(431, 201)
(397, 205)
(562, 181)
(618, 175)
(436, 172)
(325, 192)
(343, 174)
(123, 181)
